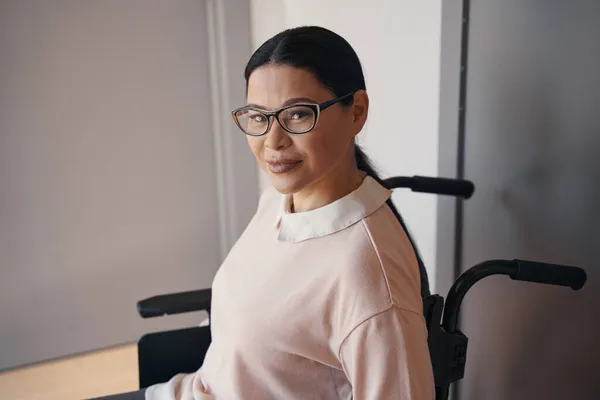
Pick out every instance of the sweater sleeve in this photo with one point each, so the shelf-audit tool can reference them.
(386, 357)
(180, 387)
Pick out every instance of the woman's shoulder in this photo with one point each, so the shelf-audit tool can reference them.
(375, 271)
(397, 256)
(269, 202)
(269, 197)
(382, 263)
(265, 215)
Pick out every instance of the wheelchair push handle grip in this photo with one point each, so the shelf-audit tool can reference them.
(552, 274)
(445, 186)
(175, 303)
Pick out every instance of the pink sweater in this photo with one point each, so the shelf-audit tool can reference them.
(323, 304)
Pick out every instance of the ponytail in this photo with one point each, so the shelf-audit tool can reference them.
(364, 164)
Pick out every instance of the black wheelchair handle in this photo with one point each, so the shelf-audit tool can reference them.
(442, 186)
(551, 274)
(520, 270)
(450, 187)
(175, 303)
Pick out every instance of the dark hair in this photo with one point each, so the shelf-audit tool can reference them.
(333, 61)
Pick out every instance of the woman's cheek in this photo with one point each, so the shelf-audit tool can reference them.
(256, 146)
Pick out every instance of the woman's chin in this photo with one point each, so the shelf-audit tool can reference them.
(286, 183)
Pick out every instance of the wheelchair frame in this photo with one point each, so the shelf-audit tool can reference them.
(183, 350)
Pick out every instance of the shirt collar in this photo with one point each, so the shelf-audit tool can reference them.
(333, 217)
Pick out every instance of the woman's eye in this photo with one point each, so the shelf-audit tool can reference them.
(257, 117)
(299, 115)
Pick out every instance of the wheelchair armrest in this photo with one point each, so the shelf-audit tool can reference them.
(175, 303)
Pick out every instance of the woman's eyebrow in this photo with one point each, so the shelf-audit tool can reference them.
(299, 100)
(288, 102)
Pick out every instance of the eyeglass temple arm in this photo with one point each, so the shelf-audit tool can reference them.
(331, 102)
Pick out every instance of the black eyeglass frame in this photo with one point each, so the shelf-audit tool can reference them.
(270, 115)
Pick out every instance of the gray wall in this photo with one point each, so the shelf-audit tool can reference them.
(108, 191)
(532, 146)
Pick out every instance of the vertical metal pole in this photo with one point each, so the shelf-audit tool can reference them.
(460, 168)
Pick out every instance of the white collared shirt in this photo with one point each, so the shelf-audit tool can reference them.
(333, 217)
(323, 304)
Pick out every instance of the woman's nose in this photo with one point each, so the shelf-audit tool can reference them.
(276, 137)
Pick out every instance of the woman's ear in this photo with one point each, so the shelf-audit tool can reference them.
(360, 109)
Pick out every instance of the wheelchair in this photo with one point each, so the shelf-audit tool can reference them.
(162, 355)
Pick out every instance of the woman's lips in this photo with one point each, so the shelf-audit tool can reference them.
(283, 166)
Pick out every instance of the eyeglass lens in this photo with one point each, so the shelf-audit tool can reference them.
(297, 119)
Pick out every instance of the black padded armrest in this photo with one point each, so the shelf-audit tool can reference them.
(175, 303)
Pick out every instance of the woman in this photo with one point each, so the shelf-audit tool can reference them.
(321, 296)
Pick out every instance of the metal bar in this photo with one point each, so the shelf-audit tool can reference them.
(460, 168)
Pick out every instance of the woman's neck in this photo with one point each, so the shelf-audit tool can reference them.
(327, 190)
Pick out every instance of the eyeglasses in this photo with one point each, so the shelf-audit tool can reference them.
(295, 118)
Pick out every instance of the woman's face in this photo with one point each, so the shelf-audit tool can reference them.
(314, 162)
